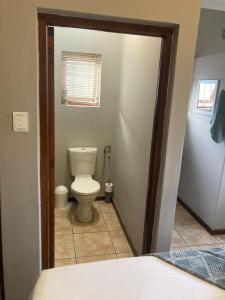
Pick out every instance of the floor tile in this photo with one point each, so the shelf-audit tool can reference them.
(97, 225)
(195, 235)
(220, 238)
(91, 244)
(180, 249)
(120, 242)
(63, 225)
(87, 259)
(205, 247)
(107, 208)
(112, 222)
(123, 255)
(64, 262)
(183, 217)
(178, 205)
(97, 206)
(177, 241)
(64, 246)
(73, 208)
(62, 212)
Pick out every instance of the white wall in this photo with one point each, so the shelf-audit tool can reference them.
(203, 160)
(210, 31)
(85, 126)
(132, 136)
(19, 92)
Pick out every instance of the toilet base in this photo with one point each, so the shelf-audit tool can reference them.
(84, 213)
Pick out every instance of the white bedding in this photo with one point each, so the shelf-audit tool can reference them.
(139, 278)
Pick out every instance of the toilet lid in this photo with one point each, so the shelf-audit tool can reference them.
(85, 186)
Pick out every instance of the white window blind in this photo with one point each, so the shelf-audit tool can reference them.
(81, 79)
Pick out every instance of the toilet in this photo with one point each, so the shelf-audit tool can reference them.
(84, 187)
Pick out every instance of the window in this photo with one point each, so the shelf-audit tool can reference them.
(207, 91)
(81, 79)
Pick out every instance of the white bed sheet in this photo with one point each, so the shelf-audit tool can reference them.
(139, 278)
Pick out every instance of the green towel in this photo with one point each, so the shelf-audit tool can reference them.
(218, 121)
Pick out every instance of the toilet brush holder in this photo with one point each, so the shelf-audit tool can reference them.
(108, 192)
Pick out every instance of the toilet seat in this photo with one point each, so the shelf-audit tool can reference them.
(85, 185)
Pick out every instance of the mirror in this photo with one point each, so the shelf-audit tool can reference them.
(207, 92)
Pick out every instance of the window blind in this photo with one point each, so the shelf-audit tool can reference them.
(81, 79)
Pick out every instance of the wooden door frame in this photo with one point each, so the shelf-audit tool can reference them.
(46, 102)
(2, 286)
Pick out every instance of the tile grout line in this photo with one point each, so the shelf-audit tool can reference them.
(90, 232)
(182, 238)
(189, 245)
(65, 257)
(206, 245)
(176, 229)
(109, 233)
(186, 245)
(199, 245)
(97, 255)
(74, 249)
(112, 243)
(102, 215)
(70, 217)
(105, 219)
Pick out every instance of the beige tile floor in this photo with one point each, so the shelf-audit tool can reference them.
(189, 234)
(101, 239)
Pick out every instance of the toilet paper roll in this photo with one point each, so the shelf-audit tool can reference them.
(108, 187)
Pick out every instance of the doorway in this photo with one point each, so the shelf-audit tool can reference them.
(46, 56)
(200, 212)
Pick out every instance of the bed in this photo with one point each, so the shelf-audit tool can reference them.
(136, 278)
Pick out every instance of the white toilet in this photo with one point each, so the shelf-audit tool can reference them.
(84, 188)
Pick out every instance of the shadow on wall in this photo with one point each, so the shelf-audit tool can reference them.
(134, 121)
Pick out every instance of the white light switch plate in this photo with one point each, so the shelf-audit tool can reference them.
(20, 121)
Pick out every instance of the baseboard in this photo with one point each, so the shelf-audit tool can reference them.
(124, 229)
(100, 198)
(199, 220)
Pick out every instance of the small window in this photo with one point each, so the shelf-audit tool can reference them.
(207, 91)
(81, 79)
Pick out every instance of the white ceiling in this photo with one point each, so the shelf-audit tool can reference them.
(214, 4)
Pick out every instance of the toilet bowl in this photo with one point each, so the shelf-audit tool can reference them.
(85, 189)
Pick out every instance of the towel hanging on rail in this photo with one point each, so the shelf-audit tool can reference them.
(218, 121)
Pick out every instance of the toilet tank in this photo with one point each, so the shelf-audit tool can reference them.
(82, 160)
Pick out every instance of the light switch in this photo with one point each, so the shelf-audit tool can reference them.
(20, 121)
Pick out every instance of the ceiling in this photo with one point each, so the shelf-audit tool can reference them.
(214, 4)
